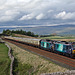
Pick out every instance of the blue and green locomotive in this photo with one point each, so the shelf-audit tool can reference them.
(63, 47)
(46, 44)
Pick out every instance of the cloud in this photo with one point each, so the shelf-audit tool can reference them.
(6, 18)
(27, 17)
(32, 16)
(9, 15)
(44, 11)
(63, 15)
(12, 12)
(40, 16)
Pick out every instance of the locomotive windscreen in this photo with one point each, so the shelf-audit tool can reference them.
(73, 46)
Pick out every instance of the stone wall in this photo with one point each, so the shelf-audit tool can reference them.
(12, 59)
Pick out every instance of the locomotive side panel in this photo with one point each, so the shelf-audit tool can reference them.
(46, 44)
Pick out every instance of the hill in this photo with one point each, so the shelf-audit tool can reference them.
(67, 29)
(60, 29)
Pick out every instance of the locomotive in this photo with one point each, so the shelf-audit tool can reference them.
(63, 47)
(66, 48)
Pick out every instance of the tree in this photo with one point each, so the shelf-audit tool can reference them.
(10, 32)
(7, 32)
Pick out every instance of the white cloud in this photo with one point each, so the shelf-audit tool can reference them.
(27, 17)
(6, 18)
(61, 15)
(2, 2)
(12, 12)
(23, 9)
(40, 16)
(23, 0)
(9, 15)
(49, 11)
(64, 15)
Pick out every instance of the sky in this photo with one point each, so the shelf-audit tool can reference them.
(37, 12)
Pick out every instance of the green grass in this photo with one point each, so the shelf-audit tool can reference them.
(58, 37)
(21, 69)
(4, 60)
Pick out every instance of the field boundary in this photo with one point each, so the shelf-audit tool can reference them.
(11, 57)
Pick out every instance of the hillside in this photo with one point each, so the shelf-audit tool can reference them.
(42, 30)
(60, 29)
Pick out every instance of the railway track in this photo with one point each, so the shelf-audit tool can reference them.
(56, 58)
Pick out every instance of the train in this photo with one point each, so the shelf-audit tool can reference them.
(60, 47)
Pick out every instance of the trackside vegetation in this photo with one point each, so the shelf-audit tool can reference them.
(27, 63)
(11, 32)
(4, 60)
(21, 69)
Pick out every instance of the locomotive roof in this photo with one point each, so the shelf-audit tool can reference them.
(46, 40)
(63, 44)
(73, 42)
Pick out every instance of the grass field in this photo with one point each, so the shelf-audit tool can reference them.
(20, 35)
(62, 38)
(59, 37)
(4, 60)
(31, 64)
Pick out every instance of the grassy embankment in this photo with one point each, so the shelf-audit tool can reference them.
(23, 36)
(27, 63)
(4, 60)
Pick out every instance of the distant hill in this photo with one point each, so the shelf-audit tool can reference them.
(60, 29)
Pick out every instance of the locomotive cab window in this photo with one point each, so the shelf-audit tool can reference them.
(47, 44)
(64, 48)
(68, 47)
(74, 46)
(42, 43)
